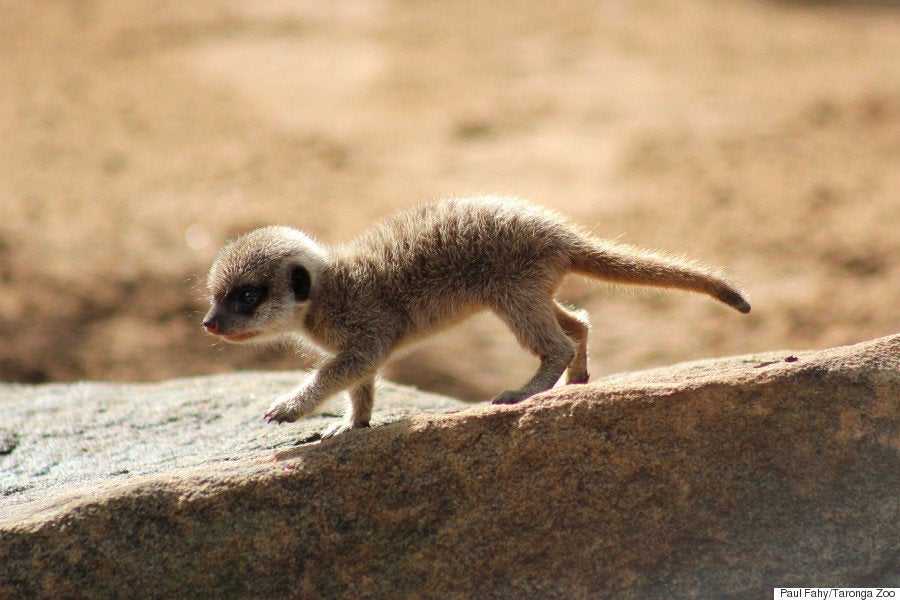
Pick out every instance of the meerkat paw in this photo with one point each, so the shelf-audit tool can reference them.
(298, 402)
(510, 397)
(576, 377)
(283, 410)
(339, 428)
(286, 408)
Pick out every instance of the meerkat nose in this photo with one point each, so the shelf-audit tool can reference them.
(211, 324)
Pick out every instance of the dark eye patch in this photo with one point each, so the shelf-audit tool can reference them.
(246, 298)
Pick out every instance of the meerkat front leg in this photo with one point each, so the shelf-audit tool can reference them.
(362, 399)
(339, 373)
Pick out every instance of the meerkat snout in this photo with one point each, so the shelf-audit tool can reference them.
(421, 271)
(242, 301)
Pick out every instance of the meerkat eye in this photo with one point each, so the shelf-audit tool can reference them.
(246, 298)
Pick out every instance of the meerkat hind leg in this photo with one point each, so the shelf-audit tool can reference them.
(362, 399)
(538, 329)
(575, 324)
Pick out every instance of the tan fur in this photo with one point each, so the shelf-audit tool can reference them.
(417, 272)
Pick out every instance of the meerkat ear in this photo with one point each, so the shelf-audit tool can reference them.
(300, 283)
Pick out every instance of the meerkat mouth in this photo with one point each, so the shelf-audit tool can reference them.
(239, 337)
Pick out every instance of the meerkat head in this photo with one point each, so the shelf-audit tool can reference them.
(262, 283)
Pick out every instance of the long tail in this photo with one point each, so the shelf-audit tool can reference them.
(626, 264)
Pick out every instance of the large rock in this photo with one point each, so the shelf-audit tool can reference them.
(711, 479)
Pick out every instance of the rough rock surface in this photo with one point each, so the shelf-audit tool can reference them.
(710, 479)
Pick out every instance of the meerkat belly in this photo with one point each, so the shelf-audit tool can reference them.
(437, 289)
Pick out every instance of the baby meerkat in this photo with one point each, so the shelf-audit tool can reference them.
(419, 271)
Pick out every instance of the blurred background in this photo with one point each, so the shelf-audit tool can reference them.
(136, 137)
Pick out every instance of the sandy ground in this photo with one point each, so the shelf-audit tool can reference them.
(136, 137)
